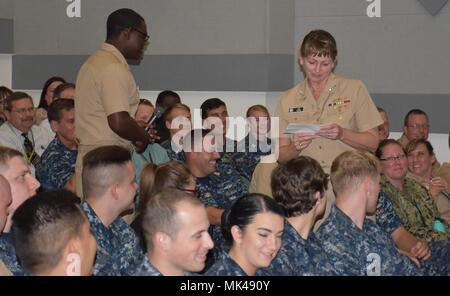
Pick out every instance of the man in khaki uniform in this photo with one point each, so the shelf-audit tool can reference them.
(342, 108)
(106, 91)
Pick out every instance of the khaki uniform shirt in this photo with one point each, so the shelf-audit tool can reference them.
(261, 178)
(105, 86)
(345, 102)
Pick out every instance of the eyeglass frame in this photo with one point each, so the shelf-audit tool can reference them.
(417, 126)
(146, 36)
(394, 158)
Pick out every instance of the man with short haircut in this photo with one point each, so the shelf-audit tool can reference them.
(52, 235)
(64, 91)
(5, 201)
(415, 126)
(19, 132)
(109, 189)
(57, 164)
(175, 227)
(23, 185)
(256, 144)
(217, 183)
(107, 95)
(354, 244)
(383, 129)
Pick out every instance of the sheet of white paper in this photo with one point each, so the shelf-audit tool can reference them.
(294, 128)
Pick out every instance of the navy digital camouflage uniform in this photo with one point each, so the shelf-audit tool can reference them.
(118, 250)
(56, 166)
(248, 155)
(8, 254)
(354, 251)
(145, 268)
(219, 190)
(389, 221)
(173, 155)
(225, 267)
(299, 257)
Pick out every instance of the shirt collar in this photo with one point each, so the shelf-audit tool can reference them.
(114, 51)
(303, 87)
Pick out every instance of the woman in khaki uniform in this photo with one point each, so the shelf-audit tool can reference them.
(342, 107)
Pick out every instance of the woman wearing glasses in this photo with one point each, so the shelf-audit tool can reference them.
(411, 201)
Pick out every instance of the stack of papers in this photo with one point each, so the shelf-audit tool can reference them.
(294, 128)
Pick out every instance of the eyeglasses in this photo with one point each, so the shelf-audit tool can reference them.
(23, 110)
(417, 126)
(144, 35)
(394, 158)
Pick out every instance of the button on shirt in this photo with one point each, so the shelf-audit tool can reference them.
(118, 250)
(299, 257)
(366, 251)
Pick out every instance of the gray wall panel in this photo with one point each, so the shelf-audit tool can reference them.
(7, 35)
(183, 72)
(175, 26)
(6, 9)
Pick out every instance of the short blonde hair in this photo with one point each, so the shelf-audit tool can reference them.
(351, 168)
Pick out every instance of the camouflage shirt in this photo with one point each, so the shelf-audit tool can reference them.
(219, 190)
(416, 209)
(145, 268)
(366, 251)
(248, 155)
(388, 220)
(56, 166)
(386, 217)
(225, 267)
(8, 254)
(118, 250)
(299, 257)
(173, 155)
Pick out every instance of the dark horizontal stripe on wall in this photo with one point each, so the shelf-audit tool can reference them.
(253, 72)
(397, 106)
(7, 36)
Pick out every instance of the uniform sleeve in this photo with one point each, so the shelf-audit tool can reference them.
(282, 120)
(115, 89)
(386, 217)
(367, 115)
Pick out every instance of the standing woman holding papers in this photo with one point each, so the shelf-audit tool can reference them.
(342, 107)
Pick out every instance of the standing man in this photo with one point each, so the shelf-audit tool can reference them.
(107, 95)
